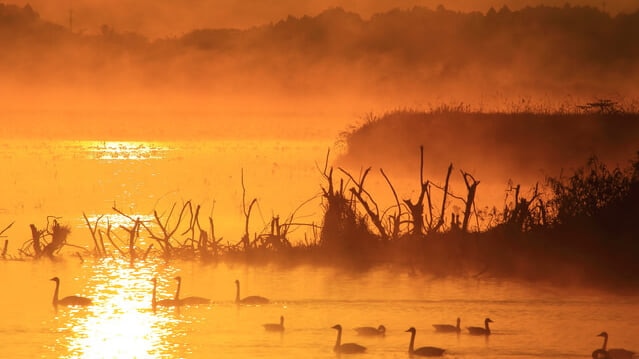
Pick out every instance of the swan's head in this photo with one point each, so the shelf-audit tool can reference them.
(603, 334)
(337, 326)
(411, 330)
(458, 321)
(381, 329)
(55, 279)
(237, 282)
(178, 278)
(488, 320)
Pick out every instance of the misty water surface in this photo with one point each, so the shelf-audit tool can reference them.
(529, 321)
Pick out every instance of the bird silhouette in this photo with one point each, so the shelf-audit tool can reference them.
(72, 300)
(479, 330)
(448, 328)
(346, 348)
(371, 331)
(275, 327)
(422, 351)
(253, 299)
(192, 300)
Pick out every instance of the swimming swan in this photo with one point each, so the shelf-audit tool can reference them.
(423, 351)
(275, 327)
(604, 353)
(448, 328)
(70, 300)
(479, 330)
(188, 300)
(163, 302)
(371, 331)
(253, 299)
(346, 348)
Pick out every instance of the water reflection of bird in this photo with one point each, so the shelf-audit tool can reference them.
(70, 300)
(192, 300)
(448, 328)
(346, 348)
(422, 351)
(253, 299)
(162, 302)
(614, 353)
(479, 330)
(275, 327)
(371, 331)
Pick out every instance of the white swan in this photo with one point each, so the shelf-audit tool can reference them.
(346, 348)
(448, 328)
(614, 353)
(422, 351)
(163, 302)
(253, 299)
(371, 331)
(70, 300)
(275, 327)
(192, 300)
(479, 330)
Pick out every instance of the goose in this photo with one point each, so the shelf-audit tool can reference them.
(479, 330)
(188, 300)
(371, 331)
(448, 328)
(604, 353)
(253, 299)
(346, 348)
(423, 351)
(70, 300)
(275, 327)
(163, 302)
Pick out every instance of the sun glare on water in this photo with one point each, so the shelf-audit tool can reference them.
(123, 150)
(121, 322)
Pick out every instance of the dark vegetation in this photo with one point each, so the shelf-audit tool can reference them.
(580, 49)
(578, 228)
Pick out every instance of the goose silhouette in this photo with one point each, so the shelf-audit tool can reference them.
(448, 328)
(422, 351)
(481, 330)
(615, 353)
(72, 300)
(253, 299)
(345, 348)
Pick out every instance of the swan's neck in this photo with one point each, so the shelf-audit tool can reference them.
(486, 325)
(411, 346)
(339, 338)
(177, 291)
(605, 342)
(237, 291)
(55, 292)
(458, 324)
(282, 321)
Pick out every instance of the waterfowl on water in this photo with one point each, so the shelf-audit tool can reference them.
(346, 348)
(448, 328)
(422, 351)
(163, 302)
(253, 299)
(275, 327)
(614, 353)
(479, 330)
(192, 300)
(371, 331)
(70, 300)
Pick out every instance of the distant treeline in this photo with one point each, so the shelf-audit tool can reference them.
(542, 47)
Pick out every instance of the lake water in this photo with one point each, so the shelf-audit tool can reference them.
(69, 178)
(529, 321)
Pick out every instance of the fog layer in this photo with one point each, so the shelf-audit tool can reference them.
(309, 73)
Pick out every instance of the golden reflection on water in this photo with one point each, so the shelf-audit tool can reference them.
(123, 150)
(121, 322)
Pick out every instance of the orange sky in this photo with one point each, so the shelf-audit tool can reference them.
(173, 18)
